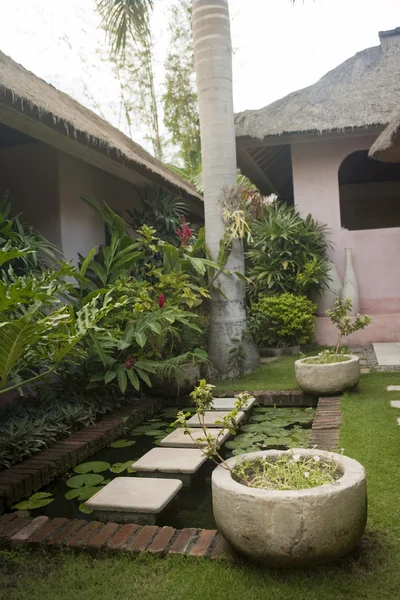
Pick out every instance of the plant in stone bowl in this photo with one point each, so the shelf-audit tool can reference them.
(284, 508)
(333, 371)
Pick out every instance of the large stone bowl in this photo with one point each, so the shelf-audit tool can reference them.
(292, 528)
(329, 379)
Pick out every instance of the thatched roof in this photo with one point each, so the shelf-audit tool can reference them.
(25, 93)
(363, 91)
(387, 146)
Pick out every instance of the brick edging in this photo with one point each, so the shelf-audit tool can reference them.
(282, 398)
(326, 424)
(27, 477)
(79, 535)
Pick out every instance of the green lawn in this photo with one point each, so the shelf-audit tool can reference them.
(277, 375)
(370, 434)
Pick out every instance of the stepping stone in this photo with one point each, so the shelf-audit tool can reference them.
(395, 403)
(387, 354)
(398, 421)
(393, 388)
(178, 439)
(133, 499)
(229, 404)
(177, 463)
(210, 418)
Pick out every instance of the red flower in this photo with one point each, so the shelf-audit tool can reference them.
(184, 232)
(129, 363)
(161, 300)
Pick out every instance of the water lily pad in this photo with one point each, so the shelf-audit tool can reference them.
(96, 466)
(122, 443)
(88, 492)
(41, 499)
(89, 480)
(84, 509)
(106, 482)
(74, 493)
(40, 496)
(153, 433)
(121, 467)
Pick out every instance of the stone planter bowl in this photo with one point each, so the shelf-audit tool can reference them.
(181, 385)
(292, 528)
(329, 379)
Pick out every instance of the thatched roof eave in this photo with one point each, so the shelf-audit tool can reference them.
(31, 97)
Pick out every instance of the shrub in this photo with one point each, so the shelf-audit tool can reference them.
(280, 321)
(288, 253)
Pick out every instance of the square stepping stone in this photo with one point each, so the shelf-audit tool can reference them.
(229, 404)
(387, 354)
(133, 499)
(398, 420)
(393, 388)
(210, 418)
(178, 439)
(177, 463)
(395, 403)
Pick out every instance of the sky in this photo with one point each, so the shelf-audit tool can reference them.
(278, 47)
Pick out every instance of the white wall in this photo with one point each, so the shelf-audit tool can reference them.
(81, 227)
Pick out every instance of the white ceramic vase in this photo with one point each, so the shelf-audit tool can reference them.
(327, 299)
(350, 285)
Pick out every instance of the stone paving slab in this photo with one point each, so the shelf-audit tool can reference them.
(387, 354)
(395, 403)
(398, 420)
(393, 388)
(210, 418)
(171, 460)
(178, 439)
(229, 404)
(133, 499)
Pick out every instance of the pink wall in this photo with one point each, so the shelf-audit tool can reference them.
(375, 251)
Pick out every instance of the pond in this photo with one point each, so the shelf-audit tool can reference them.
(267, 428)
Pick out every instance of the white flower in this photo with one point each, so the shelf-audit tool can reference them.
(317, 458)
(306, 474)
(296, 457)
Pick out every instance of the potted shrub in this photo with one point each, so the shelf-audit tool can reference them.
(283, 508)
(333, 371)
(281, 323)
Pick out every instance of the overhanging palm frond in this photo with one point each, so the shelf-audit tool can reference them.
(123, 18)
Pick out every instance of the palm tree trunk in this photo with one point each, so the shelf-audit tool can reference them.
(213, 64)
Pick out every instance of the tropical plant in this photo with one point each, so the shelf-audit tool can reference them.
(160, 210)
(280, 321)
(288, 253)
(213, 65)
(37, 330)
(37, 253)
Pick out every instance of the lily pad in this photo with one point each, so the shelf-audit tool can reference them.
(106, 482)
(121, 467)
(122, 443)
(40, 496)
(38, 500)
(74, 493)
(88, 492)
(89, 480)
(96, 466)
(84, 509)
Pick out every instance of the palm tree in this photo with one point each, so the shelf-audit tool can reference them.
(213, 64)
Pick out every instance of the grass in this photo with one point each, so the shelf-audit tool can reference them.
(369, 433)
(277, 375)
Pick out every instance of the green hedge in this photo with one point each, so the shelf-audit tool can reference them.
(282, 321)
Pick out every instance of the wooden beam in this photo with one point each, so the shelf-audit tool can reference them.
(253, 171)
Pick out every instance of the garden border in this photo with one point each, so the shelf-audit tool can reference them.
(22, 479)
(326, 424)
(279, 398)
